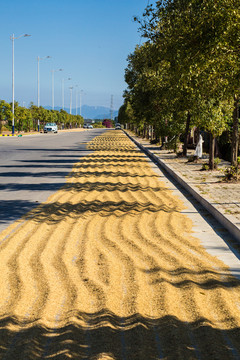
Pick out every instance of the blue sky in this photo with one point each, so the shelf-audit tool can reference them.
(89, 39)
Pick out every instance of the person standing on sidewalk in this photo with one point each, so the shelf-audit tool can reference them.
(198, 151)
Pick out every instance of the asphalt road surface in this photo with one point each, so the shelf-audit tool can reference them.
(35, 166)
(116, 265)
(112, 266)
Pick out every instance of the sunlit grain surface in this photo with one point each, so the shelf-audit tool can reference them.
(108, 268)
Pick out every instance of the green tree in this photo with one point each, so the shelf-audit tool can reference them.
(39, 114)
(214, 117)
(199, 40)
(23, 117)
(125, 114)
(5, 113)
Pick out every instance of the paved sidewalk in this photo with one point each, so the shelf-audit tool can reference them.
(221, 199)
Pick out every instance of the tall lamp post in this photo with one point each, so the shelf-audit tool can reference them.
(63, 80)
(38, 83)
(38, 77)
(53, 71)
(76, 86)
(71, 88)
(12, 37)
(81, 92)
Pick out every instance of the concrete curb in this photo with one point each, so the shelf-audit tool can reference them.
(41, 132)
(19, 135)
(227, 221)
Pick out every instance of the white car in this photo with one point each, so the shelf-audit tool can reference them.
(50, 128)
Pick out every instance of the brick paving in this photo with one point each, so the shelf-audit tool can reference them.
(225, 196)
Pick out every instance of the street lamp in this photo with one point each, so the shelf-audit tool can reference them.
(71, 88)
(38, 78)
(12, 37)
(81, 92)
(63, 80)
(53, 71)
(38, 83)
(76, 86)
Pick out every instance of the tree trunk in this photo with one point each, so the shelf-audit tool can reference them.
(235, 133)
(154, 133)
(211, 151)
(144, 131)
(186, 134)
(197, 136)
(157, 137)
(151, 133)
(217, 149)
(147, 135)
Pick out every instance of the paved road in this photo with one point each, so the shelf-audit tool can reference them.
(33, 167)
(109, 269)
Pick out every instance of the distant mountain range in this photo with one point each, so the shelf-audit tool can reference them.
(90, 112)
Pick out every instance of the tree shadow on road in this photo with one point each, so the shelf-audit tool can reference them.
(11, 210)
(106, 336)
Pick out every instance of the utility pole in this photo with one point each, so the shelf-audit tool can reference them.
(53, 71)
(81, 92)
(71, 89)
(111, 108)
(12, 37)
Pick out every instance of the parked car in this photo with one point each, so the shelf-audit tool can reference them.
(86, 126)
(118, 127)
(50, 128)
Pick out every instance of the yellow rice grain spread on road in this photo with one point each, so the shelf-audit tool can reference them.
(108, 268)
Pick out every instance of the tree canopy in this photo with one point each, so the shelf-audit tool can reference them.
(187, 72)
(26, 119)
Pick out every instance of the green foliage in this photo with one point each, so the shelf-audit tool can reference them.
(231, 173)
(216, 162)
(27, 119)
(23, 118)
(172, 143)
(5, 113)
(126, 114)
(205, 167)
(189, 65)
(98, 125)
(213, 116)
